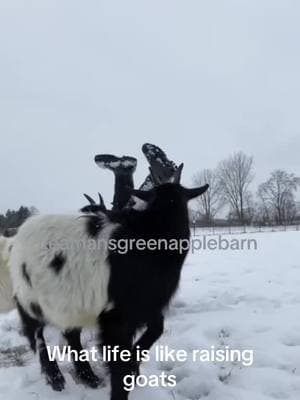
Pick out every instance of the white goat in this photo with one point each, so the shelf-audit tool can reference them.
(61, 241)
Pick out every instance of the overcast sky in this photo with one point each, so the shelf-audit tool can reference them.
(202, 79)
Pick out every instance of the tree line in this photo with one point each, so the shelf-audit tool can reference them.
(14, 218)
(273, 202)
(229, 193)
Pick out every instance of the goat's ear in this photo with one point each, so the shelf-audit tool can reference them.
(177, 174)
(144, 195)
(192, 193)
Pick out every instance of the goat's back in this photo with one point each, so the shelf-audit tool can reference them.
(57, 264)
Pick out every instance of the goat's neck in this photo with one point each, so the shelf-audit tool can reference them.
(170, 222)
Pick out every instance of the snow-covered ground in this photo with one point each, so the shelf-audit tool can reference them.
(246, 299)
(225, 230)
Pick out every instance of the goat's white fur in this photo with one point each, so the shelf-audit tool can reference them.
(76, 295)
(6, 294)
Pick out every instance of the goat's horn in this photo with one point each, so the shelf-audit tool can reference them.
(177, 174)
(101, 201)
(89, 199)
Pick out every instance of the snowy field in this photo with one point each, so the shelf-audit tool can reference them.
(246, 299)
(224, 230)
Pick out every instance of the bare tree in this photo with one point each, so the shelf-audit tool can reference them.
(234, 176)
(210, 203)
(277, 196)
(262, 214)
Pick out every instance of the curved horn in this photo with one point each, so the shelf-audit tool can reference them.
(101, 201)
(89, 199)
(177, 174)
(192, 193)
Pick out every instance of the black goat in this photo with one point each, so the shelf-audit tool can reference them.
(121, 292)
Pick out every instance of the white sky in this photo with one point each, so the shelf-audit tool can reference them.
(199, 78)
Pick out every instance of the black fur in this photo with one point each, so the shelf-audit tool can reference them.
(54, 377)
(33, 330)
(58, 262)
(141, 283)
(123, 189)
(92, 208)
(26, 275)
(37, 311)
(94, 225)
(82, 368)
(144, 281)
(29, 324)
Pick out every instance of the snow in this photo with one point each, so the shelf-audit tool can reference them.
(246, 299)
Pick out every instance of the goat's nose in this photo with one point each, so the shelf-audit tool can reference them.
(146, 147)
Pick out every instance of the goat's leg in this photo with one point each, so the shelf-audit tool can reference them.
(54, 377)
(123, 169)
(116, 333)
(33, 330)
(29, 325)
(155, 328)
(82, 368)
